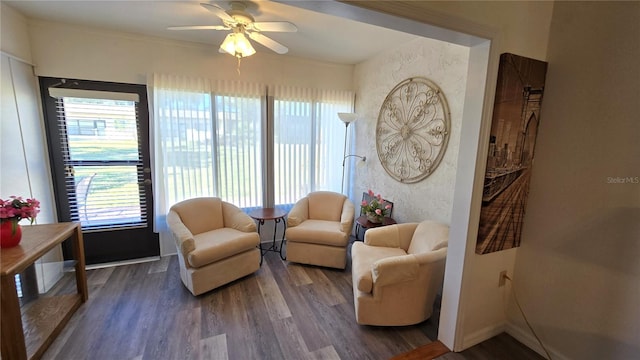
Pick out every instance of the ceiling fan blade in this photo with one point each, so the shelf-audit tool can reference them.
(199, 27)
(276, 26)
(270, 43)
(218, 11)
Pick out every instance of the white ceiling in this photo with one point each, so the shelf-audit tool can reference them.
(320, 37)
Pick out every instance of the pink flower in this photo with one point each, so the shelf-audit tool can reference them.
(388, 207)
(370, 192)
(378, 211)
(7, 212)
(364, 203)
(15, 208)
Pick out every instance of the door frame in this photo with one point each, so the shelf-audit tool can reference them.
(150, 246)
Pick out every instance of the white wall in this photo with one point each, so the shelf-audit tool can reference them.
(14, 38)
(23, 156)
(577, 272)
(24, 161)
(61, 50)
(521, 28)
(67, 51)
(446, 65)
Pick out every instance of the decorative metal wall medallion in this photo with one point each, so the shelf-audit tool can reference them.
(413, 130)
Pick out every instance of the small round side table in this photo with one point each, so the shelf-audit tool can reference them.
(277, 215)
(362, 224)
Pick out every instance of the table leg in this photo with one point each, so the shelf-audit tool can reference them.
(81, 272)
(12, 345)
(275, 231)
(358, 228)
(262, 252)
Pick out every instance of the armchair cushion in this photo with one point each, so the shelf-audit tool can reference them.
(318, 232)
(218, 244)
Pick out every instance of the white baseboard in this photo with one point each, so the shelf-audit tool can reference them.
(482, 335)
(123, 262)
(526, 337)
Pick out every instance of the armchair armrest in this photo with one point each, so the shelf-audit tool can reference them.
(395, 269)
(394, 236)
(346, 219)
(432, 256)
(182, 235)
(299, 212)
(237, 219)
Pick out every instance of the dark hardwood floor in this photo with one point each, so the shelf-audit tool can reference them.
(499, 347)
(283, 311)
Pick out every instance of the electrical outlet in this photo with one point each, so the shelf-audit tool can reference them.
(503, 278)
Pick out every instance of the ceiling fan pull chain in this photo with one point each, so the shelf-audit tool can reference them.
(238, 68)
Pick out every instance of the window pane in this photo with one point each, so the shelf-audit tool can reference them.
(107, 195)
(187, 146)
(239, 150)
(103, 164)
(293, 135)
(100, 129)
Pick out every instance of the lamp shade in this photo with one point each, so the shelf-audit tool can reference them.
(348, 118)
(237, 45)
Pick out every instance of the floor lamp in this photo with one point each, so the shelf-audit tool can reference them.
(347, 118)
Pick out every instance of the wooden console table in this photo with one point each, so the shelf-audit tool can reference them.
(27, 335)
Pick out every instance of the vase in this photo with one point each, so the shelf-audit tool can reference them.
(10, 233)
(374, 218)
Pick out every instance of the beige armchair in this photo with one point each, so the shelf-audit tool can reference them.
(397, 272)
(216, 241)
(318, 228)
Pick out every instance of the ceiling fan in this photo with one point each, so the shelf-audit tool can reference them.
(242, 23)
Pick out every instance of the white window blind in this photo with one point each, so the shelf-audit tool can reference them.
(183, 141)
(239, 146)
(102, 160)
(214, 139)
(308, 138)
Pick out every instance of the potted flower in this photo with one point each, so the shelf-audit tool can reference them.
(376, 208)
(12, 211)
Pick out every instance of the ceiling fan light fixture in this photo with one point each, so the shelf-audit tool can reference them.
(237, 44)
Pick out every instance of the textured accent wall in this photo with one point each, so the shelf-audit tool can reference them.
(446, 65)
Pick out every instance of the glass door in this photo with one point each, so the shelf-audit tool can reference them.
(98, 140)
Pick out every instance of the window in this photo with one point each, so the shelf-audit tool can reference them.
(308, 138)
(239, 149)
(232, 141)
(102, 160)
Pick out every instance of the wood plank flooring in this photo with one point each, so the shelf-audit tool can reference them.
(499, 347)
(283, 311)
